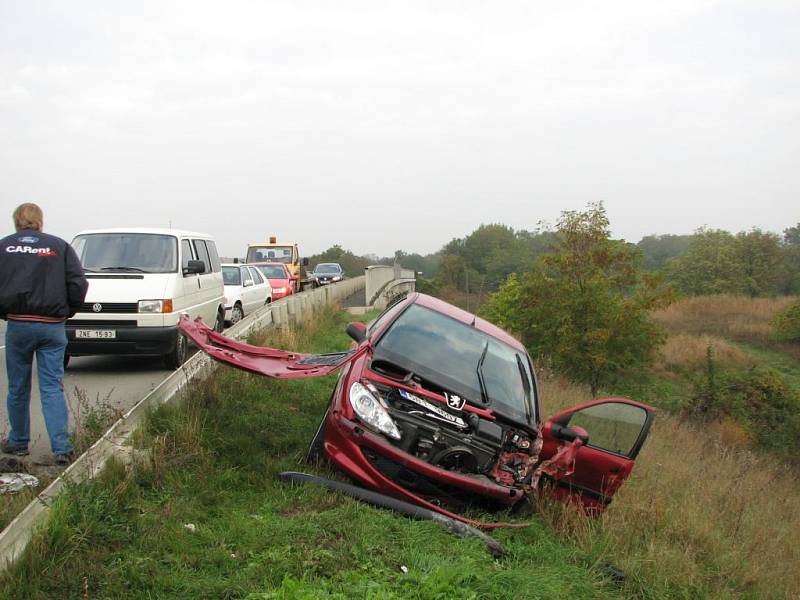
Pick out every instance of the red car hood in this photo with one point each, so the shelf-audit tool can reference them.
(264, 361)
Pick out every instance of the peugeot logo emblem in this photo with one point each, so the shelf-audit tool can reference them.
(97, 307)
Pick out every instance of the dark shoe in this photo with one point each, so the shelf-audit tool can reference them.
(7, 448)
(62, 460)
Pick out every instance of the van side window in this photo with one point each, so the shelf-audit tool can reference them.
(212, 253)
(186, 254)
(202, 254)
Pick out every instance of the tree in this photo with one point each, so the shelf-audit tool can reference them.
(791, 250)
(353, 265)
(584, 305)
(718, 262)
(760, 258)
(658, 249)
(709, 265)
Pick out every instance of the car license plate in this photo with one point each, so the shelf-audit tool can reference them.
(95, 334)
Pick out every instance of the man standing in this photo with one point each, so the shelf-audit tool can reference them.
(41, 285)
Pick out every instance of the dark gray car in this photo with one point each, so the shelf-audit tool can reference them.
(325, 273)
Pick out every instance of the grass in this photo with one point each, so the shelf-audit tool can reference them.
(201, 515)
(90, 420)
(699, 518)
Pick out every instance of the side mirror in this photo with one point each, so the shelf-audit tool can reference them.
(305, 262)
(357, 331)
(569, 433)
(194, 267)
(248, 282)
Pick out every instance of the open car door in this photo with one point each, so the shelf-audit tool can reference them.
(264, 361)
(613, 431)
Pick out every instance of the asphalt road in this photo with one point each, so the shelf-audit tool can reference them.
(113, 383)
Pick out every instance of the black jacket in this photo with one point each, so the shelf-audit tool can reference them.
(40, 274)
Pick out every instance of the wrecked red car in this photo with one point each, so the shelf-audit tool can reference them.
(436, 406)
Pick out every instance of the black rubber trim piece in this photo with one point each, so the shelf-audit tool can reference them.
(400, 506)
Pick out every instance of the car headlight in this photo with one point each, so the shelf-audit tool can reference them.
(155, 306)
(337, 277)
(371, 412)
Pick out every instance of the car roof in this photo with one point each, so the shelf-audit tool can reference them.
(329, 265)
(468, 318)
(148, 230)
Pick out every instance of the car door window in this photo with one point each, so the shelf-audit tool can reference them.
(186, 255)
(256, 276)
(612, 426)
(202, 254)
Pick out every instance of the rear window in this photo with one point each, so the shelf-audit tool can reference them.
(230, 276)
(127, 252)
(272, 271)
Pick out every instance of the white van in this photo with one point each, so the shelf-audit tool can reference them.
(140, 281)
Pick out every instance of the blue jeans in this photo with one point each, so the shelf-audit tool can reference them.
(48, 342)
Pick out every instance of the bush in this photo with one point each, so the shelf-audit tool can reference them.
(786, 323)
(759, 398)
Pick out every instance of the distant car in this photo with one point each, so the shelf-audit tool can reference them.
(435, 405)
(246, 290)
(325, 273)
(279, 278)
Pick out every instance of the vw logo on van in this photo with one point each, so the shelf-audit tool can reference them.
(97, 307)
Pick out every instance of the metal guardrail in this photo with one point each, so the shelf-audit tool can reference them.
(114, 443)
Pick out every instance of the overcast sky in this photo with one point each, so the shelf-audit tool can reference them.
(386, 125)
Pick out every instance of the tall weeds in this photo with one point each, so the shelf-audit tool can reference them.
(698, 518)
(736, 317)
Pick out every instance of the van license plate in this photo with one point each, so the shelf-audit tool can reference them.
(95, 334)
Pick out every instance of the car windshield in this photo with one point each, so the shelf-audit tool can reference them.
(272, 271)
(231, 276)
(282, 254)
(127, 252)
(328, 268)
(460, 359)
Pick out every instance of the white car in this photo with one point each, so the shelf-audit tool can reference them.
(140, 281)
(246, 290)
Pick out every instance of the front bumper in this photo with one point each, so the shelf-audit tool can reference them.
(348, 444)
(128, 340)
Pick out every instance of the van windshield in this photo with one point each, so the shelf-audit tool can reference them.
(127, 252)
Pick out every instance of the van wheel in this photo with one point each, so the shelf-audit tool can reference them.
(236, 313)
(177, 357)
(219, 324)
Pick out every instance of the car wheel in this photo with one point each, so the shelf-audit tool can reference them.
(177, 357)
(219, 324)
(237, 314)
(66, 360)
(316, 450)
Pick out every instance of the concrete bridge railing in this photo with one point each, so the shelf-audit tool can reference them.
(384, 282)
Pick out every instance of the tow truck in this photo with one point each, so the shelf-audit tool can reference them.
(282, 252)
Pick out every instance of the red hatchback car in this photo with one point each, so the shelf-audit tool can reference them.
(279, 277)
(436, 406)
